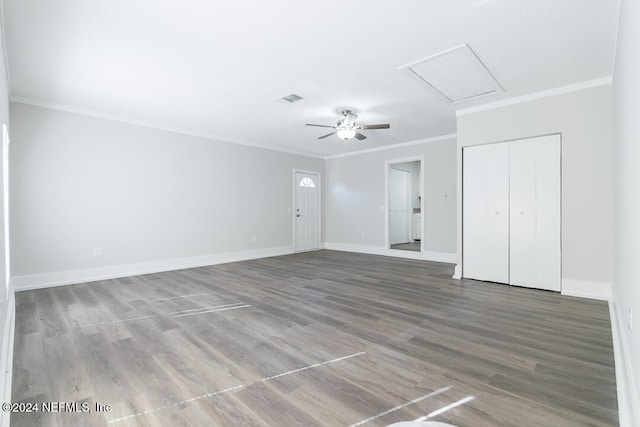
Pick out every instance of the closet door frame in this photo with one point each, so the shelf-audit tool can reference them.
(460, 271)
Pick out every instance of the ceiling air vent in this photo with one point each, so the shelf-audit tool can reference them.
(291, 98)
(457, 74)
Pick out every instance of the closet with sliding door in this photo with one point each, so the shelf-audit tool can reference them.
(511, 221)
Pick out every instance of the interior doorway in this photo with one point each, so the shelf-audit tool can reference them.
(404, 206)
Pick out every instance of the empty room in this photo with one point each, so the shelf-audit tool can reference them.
(364, 213)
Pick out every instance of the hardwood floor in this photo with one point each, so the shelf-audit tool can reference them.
(411, 246)
(312, 339)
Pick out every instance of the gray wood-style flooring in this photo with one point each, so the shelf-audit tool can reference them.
(312, 339)
(411, 246)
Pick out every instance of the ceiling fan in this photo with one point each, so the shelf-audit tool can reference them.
(347, 129)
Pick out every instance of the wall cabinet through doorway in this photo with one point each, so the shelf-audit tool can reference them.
(512, 212)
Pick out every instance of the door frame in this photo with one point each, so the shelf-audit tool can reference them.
(295, 203)
(387, 249)
(5, 204)
(459, 268)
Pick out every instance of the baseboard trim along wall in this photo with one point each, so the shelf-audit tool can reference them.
(586, 289)
(379, 250)
(628, 403)
(350, 247)
(6, 358)
(46, 280)
(457, 271)
(440, 257)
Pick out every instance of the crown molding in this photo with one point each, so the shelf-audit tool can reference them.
(123, 119)
(394, 146)
(605, 81)
(150, 125)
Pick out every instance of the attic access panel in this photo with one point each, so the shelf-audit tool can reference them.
(457, 74)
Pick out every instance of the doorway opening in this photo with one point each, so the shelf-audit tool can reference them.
(404, 207)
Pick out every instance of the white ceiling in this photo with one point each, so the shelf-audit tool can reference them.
(217, 68)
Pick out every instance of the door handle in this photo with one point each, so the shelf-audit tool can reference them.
(297, 215)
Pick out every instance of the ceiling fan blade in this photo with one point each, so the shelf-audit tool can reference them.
(320, 126)
(360, 136)
(383, 126)
(324, 136)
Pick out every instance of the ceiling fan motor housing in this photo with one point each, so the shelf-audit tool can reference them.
(349, 118)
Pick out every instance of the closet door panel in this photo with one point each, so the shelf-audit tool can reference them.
(535, 185)
(497, 213)
(486, 212)
(473, 184)
(522, 228)
(548, 207)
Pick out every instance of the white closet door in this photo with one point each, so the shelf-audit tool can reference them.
(399, 200)
(535, 212)
(473, 230)
(486, 212)
(522, 229)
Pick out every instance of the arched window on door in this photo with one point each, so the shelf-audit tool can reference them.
(307, 182)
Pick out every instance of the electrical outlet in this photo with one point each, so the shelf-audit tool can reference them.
(254, 238)
(97, 251)
(630, 320)
(362, 235)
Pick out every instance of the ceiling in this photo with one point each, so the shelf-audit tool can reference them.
(219, 68)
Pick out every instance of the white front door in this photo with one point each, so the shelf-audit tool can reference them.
(307, 216)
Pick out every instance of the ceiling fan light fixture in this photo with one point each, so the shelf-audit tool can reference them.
(346, 133)
(346, 127)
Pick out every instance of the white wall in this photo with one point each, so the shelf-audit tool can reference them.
(355, 198)
(149, 199)
(584, 118)
(7, 306)
(626, 105)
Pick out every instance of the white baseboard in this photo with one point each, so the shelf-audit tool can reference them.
(45, 280)
(361, 249)
(457, 272)
(440, 257)
(6, 358)
(586, 289)
(380, 250)
(399, 253)
(628, 403)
